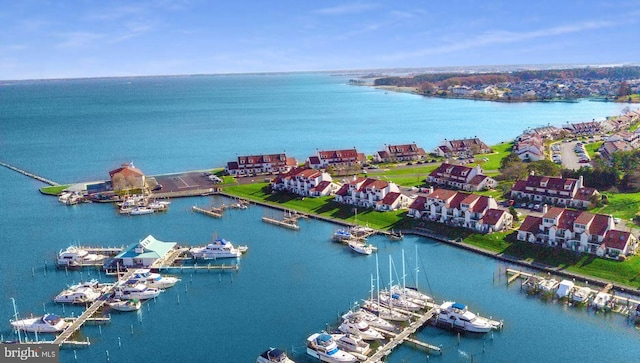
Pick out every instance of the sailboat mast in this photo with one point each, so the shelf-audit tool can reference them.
(390, 283)
(404, 275)
(15, 316)
(377, 280)
(417, 269)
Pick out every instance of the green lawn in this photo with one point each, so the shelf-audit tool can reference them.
(592, 148)
(54, 190)
(405, 176)
(501, 151)
(621, 205)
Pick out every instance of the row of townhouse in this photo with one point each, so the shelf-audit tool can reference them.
(393, 153)
(462, 148)
(467, 210)
(305, 182)
(621, 122)
(372, 193)
(545, 132)
(584, 128)
(336, 158)
(529, 147)
(260, 164)
(461, 177)
(565, 192)
(578, 231)
(620, 141)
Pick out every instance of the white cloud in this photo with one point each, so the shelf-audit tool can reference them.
(79, 39)
(346, 9)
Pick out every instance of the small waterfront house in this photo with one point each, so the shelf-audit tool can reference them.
(395, 153)
(127, 176)
(462, 148)
(494, 220)
(529, 147)
(305, 182)
(371, 193)
(260, 164)
(144, 253)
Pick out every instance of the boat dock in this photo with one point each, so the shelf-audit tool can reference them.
(196, 267)
(212, 212)
(286, 223)
(397, 339)
(30, 175)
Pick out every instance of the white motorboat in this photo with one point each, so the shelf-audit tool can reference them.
(582, 295)
(371, 319)
(341, 235)
(273, 355)
(398, 301)
(384, 312)
(358, 326)
(602, 301)
(548, 286)
(48, 323)
(136, 292)
(124, 305)
(138, 211)
(457, 316)
(564, 288)
(151, 279)
(323, 347)
(353, 344)
(219, 248)
(159, 206)
(412, 295)
(78, 294)
(361, 247)
(76, 257)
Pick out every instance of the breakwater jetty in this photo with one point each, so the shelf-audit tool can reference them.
(30, 175)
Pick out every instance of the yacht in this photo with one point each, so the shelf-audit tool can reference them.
(48, 323)
(361, 247)
(138, 211)
(412, 295)
(124, 305)
(371, 319)
(457, 316)
(353, 344)
(341, 235)
(78, 294)
(548, 286)
(602, 301)
(136, 292)
(358, 326)
(219, 248)
(384, 312)
(564, 288)
(581, 295)
(398, 301)
(151, 279)
(159, 206)
(76, 257)
(273, 355)
(323, 347)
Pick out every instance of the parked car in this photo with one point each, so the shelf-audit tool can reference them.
(536, 207)
(531, 206)
(156, 187)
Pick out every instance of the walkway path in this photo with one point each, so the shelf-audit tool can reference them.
(30, 175)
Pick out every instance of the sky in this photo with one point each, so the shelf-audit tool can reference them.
(85, 38)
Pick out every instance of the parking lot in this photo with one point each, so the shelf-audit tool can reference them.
(571, 157)
(182, 182)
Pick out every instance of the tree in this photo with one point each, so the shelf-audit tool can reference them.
(624, 90)
(514, 213)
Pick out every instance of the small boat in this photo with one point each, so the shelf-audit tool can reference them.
(582, 295)
(371, 319)
(384, 312)
(602, 301)
(412, 295)
(456, 316)
(145, 276)
(78, 294)
(77, 257)
(548, 286)
(398, 301)
(356, 325)
(48, 323)
(564, 288)
(361, 247)
(353, 344)
(124, 305)
(158, 206)
(135, 292)
(219, 248)
(138, 211)
(341, 235)
(395, 236)
(273, 355)
(323, 347)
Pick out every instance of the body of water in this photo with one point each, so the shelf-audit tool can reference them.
(290, 284)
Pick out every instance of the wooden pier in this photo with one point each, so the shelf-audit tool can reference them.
(213, 212)
(30, 175)
(398, 339)
(286, 223)
(196, 267)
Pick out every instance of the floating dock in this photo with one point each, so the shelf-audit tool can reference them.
(212, 212)
(286, 223)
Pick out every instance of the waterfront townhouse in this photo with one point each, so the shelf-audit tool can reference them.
(260, 164)
(394, 153)
(620, 141)
(461, 177)
(455, 208)
(529, 147)
(495, 220)
(127, 176)
(584, 128)
(305, 182)
(565, 192)
(335, 158)
(372, 193)
(578, 231)
(545, 132)
(462, 148)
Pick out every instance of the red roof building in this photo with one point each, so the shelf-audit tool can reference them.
(395, 153)
(338, 158)
(461, 177)
(127, 176)
(305, 182)
(371, 193)
(260, 164)
(565, 192)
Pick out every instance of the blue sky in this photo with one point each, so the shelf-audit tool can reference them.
(84, 38)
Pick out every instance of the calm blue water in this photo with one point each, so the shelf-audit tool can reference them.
(290, 284)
